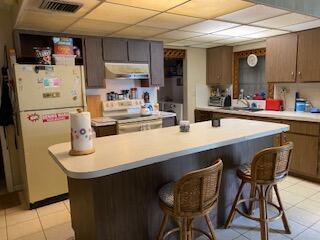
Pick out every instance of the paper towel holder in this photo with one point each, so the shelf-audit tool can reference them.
(73, 152)
(80, 153)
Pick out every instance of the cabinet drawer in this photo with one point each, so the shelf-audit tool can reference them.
(306, 128)
(265, 119)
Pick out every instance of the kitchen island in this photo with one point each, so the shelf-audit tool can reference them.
(114, 192)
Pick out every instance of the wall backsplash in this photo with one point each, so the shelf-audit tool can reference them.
(118, 85)
(310, 91)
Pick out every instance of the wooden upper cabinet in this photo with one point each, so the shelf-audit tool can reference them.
(308, 66)
(156, 64)
(219, 65)
(94, 64)
(281, 58)
(138, 51)
(115, 50)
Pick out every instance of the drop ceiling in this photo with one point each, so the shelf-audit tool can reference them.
(193, 23)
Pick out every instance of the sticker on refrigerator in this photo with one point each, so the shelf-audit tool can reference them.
(55, 117)
(33, 117)
(51, 82)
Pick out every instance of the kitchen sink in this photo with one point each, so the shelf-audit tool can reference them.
(246, 109)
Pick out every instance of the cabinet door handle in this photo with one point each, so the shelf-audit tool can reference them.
(299, 73)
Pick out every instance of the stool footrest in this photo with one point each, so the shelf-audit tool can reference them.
(271, 219)
(169, 233)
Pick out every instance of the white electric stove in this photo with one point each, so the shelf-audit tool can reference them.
(127, 115)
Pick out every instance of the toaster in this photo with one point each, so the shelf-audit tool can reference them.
(219, 101)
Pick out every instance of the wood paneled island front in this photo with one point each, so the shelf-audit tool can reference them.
(114, 191)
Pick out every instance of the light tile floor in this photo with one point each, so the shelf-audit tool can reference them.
(301, 199)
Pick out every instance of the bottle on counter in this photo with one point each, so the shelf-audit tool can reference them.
(308, 106)
(156, 107)
(133, 93)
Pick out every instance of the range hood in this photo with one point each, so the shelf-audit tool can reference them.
(127, 71)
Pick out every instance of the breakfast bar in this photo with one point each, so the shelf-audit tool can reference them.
(114, 191)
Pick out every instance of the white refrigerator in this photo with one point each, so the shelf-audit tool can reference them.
(45, 96)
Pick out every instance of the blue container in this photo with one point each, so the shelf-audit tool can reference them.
(300, 105)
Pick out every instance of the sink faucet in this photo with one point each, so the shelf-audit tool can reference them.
(244, 101)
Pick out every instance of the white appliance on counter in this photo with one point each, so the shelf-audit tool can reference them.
(128, 117)
(45, 97)
(173, 107)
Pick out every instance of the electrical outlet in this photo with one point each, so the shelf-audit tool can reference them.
(284, 90)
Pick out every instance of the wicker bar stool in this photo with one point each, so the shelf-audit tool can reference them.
(269, 167)
(194, 195)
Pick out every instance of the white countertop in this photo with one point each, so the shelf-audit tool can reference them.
(106, 121)
(285, 115)
(127, 151)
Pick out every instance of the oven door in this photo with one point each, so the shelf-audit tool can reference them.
(138, 126)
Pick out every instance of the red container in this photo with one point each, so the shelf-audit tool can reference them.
(274, 104)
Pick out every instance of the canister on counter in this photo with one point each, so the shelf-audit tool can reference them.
(215, 122)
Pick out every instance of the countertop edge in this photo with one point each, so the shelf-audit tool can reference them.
(157, 159)
(260, 114)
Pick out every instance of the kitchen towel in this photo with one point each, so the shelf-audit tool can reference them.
(81, 134)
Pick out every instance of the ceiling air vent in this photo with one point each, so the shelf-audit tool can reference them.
(60, 6)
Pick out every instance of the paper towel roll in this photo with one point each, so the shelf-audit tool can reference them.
(81, 134)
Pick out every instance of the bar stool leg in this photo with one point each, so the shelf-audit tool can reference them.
(263, 215)
(184, 229)
(189, 229)
(163, 226)
(233, 208)
(210, 226)
(284, 217)
(252, 204)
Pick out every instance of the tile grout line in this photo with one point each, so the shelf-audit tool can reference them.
(45, 236)
(5, 219)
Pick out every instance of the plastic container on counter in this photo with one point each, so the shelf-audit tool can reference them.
(300, 105)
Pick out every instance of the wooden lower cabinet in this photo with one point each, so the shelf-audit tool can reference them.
(304, 135)
(305, 154)
(201, 116)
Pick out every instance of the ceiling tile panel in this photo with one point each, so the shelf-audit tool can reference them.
(119, 13)
(252, 14)
(178, 35)
(140, 31)
(182, 43)
(241, 31)
(303, 26)
(169, 21)
(248, 42)
(44, 21)
(161, 39)
(209, 8)
(233, 40)
(95, 27)
(209, 38)
(209, 26)
(284, 20)
(268, 33)
(87, 6)
(158, 5)
(206, 45)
